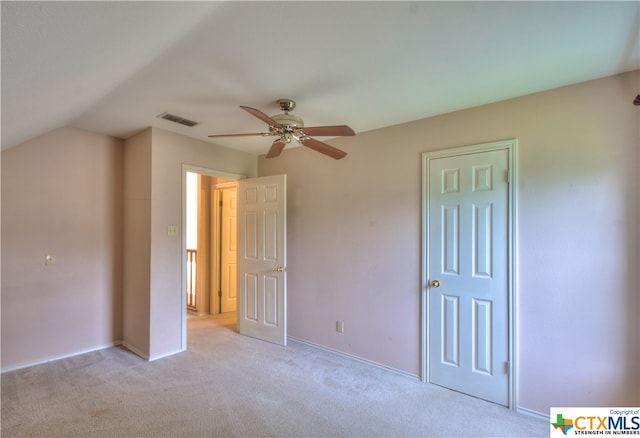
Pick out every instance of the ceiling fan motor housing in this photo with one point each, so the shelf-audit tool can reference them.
(288, 120)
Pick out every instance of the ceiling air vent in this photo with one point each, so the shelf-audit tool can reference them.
(177, 119)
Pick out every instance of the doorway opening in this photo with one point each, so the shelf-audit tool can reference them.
(209, 236)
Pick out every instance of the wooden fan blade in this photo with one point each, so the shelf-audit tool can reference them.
(329, 131)
(240, 135)
(262, 116)
(323, 148)
(276, 149)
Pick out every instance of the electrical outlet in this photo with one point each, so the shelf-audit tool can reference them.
(340, 326)
(172, 230)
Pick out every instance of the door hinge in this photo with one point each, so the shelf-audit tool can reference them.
(507, 367)
(508, 176)
(220, 293)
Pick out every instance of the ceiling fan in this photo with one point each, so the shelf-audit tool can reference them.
(288, 127)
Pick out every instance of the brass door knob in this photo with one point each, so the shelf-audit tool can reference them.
(435, 283)
(280, 269)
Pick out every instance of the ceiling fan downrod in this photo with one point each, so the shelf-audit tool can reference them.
(286, 105)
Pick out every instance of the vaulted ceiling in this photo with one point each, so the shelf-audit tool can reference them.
(113, 67)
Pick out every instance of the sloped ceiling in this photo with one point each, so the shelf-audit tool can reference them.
(113, 67)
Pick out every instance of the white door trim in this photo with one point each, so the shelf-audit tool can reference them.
(512, 147)
(183, 289)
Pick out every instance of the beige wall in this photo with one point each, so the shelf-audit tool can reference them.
(169, 152)
(61, 195)
(102, 206)
(137, 242)
(354, 240)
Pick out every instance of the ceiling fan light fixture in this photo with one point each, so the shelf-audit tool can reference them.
(286, 137)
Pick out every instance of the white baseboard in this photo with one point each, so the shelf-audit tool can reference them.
(356, 358)
(519, 409)
(62, 356)
(532, 413)
(146, 357)
(135, 350)
(160, 356)
(129, 347)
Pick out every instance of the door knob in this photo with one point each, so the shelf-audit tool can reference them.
(435, 283)
(280, 269)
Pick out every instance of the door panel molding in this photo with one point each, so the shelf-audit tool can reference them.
(481, 180)
(262, 258)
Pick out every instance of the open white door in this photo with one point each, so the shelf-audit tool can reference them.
(262, 258)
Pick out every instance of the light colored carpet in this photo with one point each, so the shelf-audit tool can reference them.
(228, 385)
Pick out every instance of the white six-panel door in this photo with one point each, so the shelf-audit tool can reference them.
(467, 244)
(262, 258)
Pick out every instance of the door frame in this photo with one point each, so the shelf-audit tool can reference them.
(512, 148)
(183, 289)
